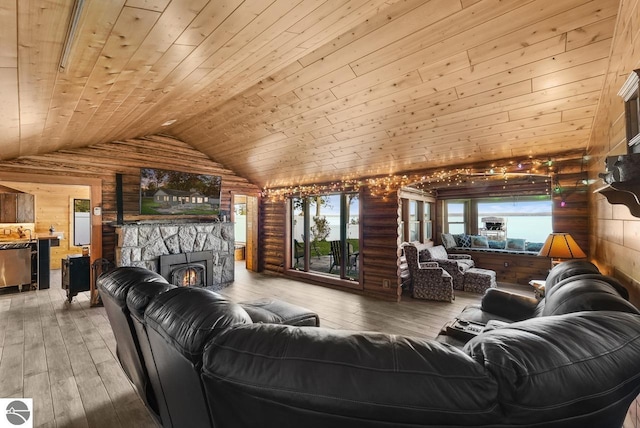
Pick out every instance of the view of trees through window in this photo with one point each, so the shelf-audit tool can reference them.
(331, 234)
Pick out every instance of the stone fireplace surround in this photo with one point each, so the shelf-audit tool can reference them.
(141, 244)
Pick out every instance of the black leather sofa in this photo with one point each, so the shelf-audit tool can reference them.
(578, 366)
(161, 352)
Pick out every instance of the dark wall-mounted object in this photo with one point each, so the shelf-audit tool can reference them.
(119, 200)
(622, 172)
(630, 92)
(623, 181)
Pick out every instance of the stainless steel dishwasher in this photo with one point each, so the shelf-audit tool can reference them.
(15, 267)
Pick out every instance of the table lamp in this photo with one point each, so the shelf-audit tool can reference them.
(561, 246)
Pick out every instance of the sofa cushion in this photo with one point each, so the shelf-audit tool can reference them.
(588, 292)
(515, 244)
(448, 240)
(276, 311)
(479, 241)
(592, 377)
(496, 245)
(331, 378)
(465, 241)
(565, 270)
(438, 253)
(187, 318)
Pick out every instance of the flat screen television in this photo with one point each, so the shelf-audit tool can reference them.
(165, 192)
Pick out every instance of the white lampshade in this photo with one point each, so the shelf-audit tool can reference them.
(561, 246)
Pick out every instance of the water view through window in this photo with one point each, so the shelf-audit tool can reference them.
(528, 218)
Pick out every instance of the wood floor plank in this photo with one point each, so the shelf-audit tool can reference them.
(11, 381)
(37, 387)
(95, 399)
(67, 405)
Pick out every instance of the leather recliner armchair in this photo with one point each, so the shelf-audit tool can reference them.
(575, 281)
(114, 287)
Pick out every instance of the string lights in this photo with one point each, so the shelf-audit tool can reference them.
(383, 186)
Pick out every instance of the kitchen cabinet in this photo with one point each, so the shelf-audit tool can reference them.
(17, 208)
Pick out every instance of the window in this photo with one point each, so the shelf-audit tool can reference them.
(630, 93)
(500, 218)
(455, 213)
(528, 218)
(81, 222)
(427, 222)
(416, 222)
(325, 231)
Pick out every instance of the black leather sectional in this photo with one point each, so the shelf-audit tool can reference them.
(572, 360)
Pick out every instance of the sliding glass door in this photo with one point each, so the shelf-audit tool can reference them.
(325, 234)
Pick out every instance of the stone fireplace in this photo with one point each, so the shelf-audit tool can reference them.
(186, 254)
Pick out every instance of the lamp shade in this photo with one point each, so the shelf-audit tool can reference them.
(561, 246)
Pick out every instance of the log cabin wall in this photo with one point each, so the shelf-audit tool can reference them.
(273, 229)
(614, 234)
(104, 160)
(380, 230)
(379, 247)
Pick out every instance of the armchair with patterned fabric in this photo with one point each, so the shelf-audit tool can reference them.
(428, 280)
(455, 264)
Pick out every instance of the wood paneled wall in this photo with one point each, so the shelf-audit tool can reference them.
(103, 161)
(614, 234)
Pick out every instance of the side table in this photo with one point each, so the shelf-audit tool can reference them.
(538, 288)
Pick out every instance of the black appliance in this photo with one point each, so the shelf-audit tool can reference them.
(76, 275)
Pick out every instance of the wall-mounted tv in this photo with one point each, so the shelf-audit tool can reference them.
(165, 192)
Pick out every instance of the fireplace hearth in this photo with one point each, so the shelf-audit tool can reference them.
(188, 269)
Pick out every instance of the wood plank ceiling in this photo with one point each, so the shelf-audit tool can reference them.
(301, 91)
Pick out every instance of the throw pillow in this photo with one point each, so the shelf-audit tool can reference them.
(515, 244)
(465, 241)
(479, 241)
(496, 245)
(533, 246)
(448, 241)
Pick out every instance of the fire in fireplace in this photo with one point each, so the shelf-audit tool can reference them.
(188, 269)
(188, 275)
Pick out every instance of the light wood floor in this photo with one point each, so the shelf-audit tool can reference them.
(63, 356)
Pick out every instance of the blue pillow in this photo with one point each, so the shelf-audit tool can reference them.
(479, 241)
(534, 246)
(465, 241)
(496, 245)
(515, 244)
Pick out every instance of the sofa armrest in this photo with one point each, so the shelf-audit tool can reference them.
(513, 306)
(427, 265)
(459, 257)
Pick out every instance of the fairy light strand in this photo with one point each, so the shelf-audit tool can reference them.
(385, 185)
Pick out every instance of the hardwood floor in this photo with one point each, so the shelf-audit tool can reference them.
(63, 355)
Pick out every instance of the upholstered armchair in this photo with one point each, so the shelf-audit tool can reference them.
(455, 264)
(428, 280)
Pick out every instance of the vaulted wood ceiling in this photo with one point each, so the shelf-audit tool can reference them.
(301, 91)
